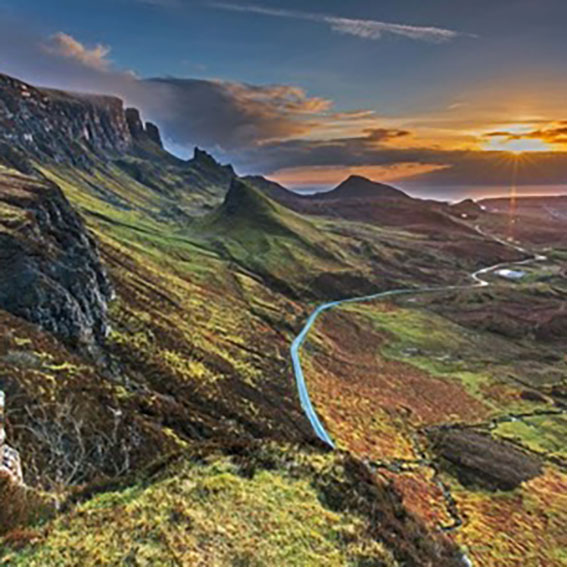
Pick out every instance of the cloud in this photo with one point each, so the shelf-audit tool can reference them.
(369, 148)
(439, 171)
(364, 29)
(64, 45)
(230, 115)
(552, 133)
(384, 134)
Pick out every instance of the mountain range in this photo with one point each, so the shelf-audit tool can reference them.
(147, 308)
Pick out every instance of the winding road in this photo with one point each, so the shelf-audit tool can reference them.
(477, 277)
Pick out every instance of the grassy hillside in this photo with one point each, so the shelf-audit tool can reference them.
(248, 506)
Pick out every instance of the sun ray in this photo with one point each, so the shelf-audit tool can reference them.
(513, 198)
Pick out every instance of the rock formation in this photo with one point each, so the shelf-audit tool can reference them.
(152, 132)
(54, 124)
(479, 460)
(206, 166)
(10, 465)
(50, 270)
(204, 159)
(57, 125)
(139, 132)
(134, 122)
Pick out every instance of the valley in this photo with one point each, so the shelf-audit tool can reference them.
(148, 305)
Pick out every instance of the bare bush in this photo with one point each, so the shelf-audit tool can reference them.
(62, 447)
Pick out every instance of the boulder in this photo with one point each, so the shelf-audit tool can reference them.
(477, 459)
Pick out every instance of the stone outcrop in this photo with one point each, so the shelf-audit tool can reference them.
(60, 126)
(50, 270)
(134, 122)
(203, 157)
(139, 132)
(10, 465)
(205, 160)
(152, 131)
(55, 124)
(206, 165)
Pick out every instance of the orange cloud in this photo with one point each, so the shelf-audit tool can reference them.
(65, 45)
(554, 133)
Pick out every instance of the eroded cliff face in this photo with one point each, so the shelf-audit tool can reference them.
(55, 124)
(50, 270)
(65, 127)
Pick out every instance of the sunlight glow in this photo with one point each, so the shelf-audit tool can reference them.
(516, 146)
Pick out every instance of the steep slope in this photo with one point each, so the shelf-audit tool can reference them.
(269, 239)
(56, 125)
(246, 205)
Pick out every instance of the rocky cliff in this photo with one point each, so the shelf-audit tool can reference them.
(205, 164)
(46, 123)
(50, 271)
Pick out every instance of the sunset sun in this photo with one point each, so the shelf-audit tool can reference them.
(516, 139)
(520, 146)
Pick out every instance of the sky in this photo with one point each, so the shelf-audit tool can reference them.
(444, 98)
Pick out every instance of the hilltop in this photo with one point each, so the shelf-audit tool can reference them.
(358, 187)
